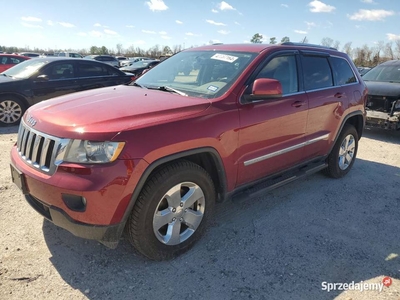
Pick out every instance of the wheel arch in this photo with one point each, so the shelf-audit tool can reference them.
(207, 157)
(356, 119)
(18, 96)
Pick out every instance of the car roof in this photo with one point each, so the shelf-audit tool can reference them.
(13, 55)
(257, 47)
(395, 62)
(56, 58)
(101, 55)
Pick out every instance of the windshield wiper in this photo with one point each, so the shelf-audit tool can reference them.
(139, 85)
(168, 89)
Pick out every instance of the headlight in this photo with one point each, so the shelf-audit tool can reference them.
(80, 151)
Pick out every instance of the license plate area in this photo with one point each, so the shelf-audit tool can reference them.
(18, 179)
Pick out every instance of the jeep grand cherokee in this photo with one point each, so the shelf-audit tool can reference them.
(155, 155)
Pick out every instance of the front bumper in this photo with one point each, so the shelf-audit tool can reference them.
(383, 120)
(107, 235)
(104, 193)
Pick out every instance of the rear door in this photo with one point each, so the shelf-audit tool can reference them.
(271, 134)
(328, 84)
(93, 75)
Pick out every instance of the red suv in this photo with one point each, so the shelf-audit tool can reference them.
(155, 155)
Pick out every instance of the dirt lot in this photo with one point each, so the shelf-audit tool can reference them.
(282, 245)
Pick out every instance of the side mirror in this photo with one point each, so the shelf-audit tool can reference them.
(264, 88)
(42, 78)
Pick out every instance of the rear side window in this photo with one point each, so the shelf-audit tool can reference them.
(87, 69)
(342, 71)
(317, 72)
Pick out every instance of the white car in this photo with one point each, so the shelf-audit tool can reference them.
(69, 54)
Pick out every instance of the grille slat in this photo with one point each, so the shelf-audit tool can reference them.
(44, 154)
(24, 141)
(37, 149)
(28, 151)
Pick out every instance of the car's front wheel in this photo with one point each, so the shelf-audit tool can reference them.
(344, 152)
(172, 210)
(11, 110)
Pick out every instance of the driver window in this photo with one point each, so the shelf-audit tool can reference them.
(284, 69)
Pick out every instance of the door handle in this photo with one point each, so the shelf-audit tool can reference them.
(298, 103)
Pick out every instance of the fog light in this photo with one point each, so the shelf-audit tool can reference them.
(74, 202)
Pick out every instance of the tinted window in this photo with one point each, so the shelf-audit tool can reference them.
(61, 54)
(105, 58)
(284, 69)
(87, 69)
(59, 71)
(317, 72)
(342, 70)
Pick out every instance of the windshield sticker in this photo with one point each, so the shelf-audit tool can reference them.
(224, 57)
(212, 88)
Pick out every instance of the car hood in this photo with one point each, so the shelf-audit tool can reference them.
(102, 113)
(379, 88)
(7, 78)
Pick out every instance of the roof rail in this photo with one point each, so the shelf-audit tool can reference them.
(307, 45)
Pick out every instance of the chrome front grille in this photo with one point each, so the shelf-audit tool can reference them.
(38, 149)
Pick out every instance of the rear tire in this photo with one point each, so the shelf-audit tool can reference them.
(11, 110)
(343, 154)
(172, 210)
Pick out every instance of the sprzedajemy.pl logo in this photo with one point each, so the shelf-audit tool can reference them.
(356, 286)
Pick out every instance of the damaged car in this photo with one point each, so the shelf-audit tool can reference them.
(383, 104)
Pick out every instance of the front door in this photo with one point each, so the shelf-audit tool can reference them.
(272, 132)
(60, 80)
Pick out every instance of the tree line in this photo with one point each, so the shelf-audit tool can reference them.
(367, 56)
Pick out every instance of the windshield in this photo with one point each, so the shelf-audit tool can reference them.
(388, 73)
(204, 74)
(25, 69)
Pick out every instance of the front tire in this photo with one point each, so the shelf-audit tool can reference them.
(11, 110)
(343, 154)
(172, 210)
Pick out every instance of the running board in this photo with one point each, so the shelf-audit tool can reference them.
(284, 178)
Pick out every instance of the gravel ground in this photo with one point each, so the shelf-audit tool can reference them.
(282, 245)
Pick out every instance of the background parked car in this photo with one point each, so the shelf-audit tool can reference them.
(363, 70)
(137, 68)
(40, 79)
(47, 54)
(121, 58)
(132, 60)
(383, 104)
(29, 54)
(107, 59)
(69, 54)
(9, 60)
